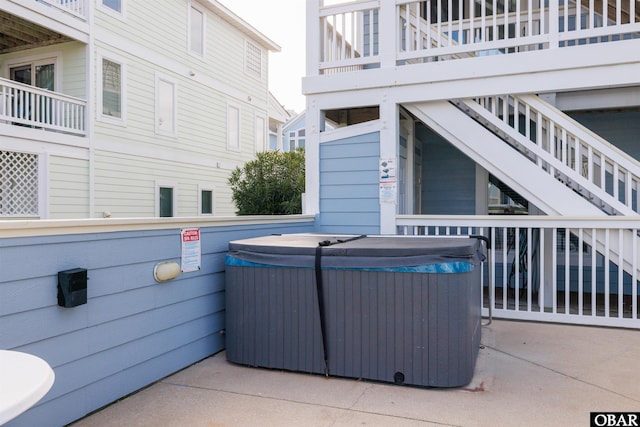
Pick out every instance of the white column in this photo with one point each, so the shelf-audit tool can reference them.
(387, 34)
(311, 200)
(389, 132)
(313, 44)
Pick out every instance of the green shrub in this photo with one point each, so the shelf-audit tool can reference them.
(272, 184)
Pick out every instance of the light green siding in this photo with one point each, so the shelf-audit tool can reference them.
(125, 185)
(68, 187)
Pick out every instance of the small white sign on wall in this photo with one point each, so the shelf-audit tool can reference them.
(387, 170)
(191, 250)
(388, 184)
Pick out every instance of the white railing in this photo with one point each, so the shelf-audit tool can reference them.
(453, 29)
(77, 8)
(25, 105)
(349, 37)
(563, 148)
(546, 269)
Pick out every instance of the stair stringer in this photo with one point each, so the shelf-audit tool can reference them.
(501, 160)
(523, 176)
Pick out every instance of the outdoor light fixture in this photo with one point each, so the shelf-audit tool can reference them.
(167, 270)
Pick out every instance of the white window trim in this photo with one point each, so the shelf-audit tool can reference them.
(166, 184)
(120, 15)
(174, 112)
(265, 134)
(207, 187)
(55, 57)
(230, 147)
(122, 121)
(202, 10)
(262, 75)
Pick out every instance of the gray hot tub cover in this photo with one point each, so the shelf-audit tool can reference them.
(378, 253)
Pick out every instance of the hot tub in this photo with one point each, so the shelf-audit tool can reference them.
(397, 309)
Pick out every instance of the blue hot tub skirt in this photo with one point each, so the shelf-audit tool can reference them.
(363, 253)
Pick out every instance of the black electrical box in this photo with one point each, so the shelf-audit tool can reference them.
(72, 287)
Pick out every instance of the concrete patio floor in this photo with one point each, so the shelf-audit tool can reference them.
(527, 374)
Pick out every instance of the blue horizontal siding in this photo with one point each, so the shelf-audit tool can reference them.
(349, 191)
(133, 330)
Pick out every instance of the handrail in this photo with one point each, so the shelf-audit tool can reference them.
(26, 105)
(562, 147)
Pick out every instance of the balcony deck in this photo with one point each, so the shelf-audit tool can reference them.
(526, 374)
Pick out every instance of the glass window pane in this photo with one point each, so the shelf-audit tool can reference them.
(111, 89)
(207, 202)
(21, 74)
(45, 76)
(166, 201)
(113, 4)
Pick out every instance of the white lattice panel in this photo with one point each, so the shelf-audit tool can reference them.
(18, 184)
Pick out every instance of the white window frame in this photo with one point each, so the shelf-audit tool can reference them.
(260, 133)
(233, 143)
(122, 120)
(113, 12)
(199, 8)
(247, 70)
(207, 187)
(174, 110)
(166, 184)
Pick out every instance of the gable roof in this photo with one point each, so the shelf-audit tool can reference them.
(219, 9)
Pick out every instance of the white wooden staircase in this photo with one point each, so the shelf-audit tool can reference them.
(548, 158)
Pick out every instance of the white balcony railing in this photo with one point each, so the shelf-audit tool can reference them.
(77, 8)
(25, 105)
(546, 268)
(355, 34)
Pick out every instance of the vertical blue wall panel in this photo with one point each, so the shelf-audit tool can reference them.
(349, 193)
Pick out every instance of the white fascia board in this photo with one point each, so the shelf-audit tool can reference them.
(627, 97)
(15, 137)
(233, 19)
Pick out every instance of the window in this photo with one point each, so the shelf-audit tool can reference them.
(253, 60)
(261, 134)
(196, 31)
(18, 184)
(112, 93)
(233, 127)
(115, 5)
(166, 202)
(296, 140)
(39, 74)
(206, 199)
(165, 106)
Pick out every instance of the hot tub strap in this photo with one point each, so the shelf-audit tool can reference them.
(318, 266)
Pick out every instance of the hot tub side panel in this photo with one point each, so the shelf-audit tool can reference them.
(409, 328)
(272, 318)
